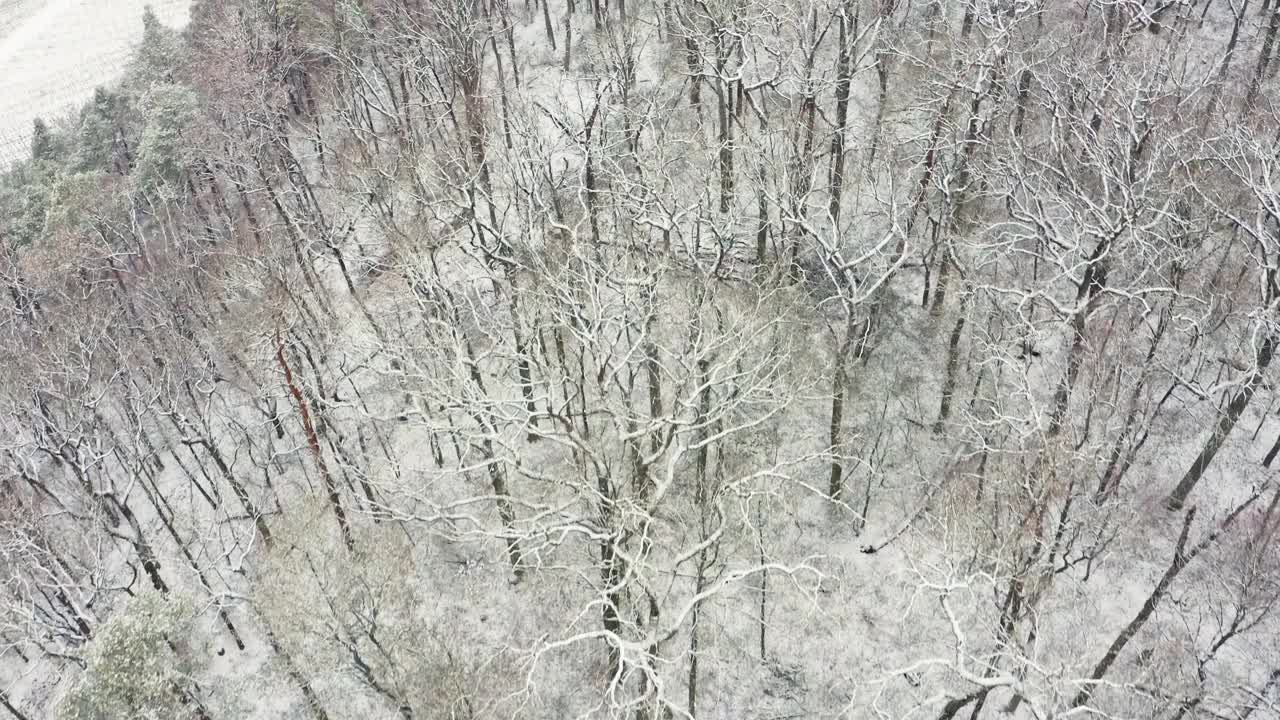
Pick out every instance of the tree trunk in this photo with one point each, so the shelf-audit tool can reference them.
(762, 219)
(568, 39)
(1226, 423)
(953, 359)
(700, 584)
(1226, 64)
(1264, 57)
(844, 79)
(1087, 294)
(840, 378)
(147, 554)
(546, 21)
(611, 578)
(291, 668)
(1271, 454)
(693, 58)
(1181, 558)
(13, 710)
(725, 116)
(313, 442)
(764, 583)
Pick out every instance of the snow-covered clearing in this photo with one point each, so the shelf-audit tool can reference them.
(58, 51)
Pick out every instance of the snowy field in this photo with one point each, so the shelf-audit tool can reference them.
(53, 53)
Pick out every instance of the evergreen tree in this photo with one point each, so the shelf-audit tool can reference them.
(157, 56)
(103, 139)
(168, 109)
(137, 666)
(44, 144)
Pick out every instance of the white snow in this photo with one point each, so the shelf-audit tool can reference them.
(53, 53)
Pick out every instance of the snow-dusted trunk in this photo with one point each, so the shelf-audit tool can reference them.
(1182, 557)
(844, 80)
(1225, 425)
(1264, 57)
(949, 371)
(313, 443)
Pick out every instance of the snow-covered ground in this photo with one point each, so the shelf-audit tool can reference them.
(53, 53)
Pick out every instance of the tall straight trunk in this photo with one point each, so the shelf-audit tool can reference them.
(237, 488)
(953, 359)
(477, 142)
(1181, 559)
(693, 58)
(165, 512)
(762, 219)
(200, 576)
(933, 18)
(1225, 425)
(1024, 94)
(703, 497)
(801, 170)
(503, 98)
(296, 243)
(568, 39)
(509, 31)
(944, 277)
(839, 382)
(764, 584)
(214, 502)
(313, 442)
(653, 377)
(525, 372)
(1115, 469)
(801, 177)
(611, 573)
(985, 86)
(1264, 57)
(724, 112)
(700, 585)
(291, 669)
(506, 510)
(966, 23)
(591, 192)
(147, 554)
(1088, 294)
(8, 705)
(546, 22)
(1225, 67)
(844, 79)
(882, 101)
(1271, 454)
(497, 477)
(926, 179)
(956, 220)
